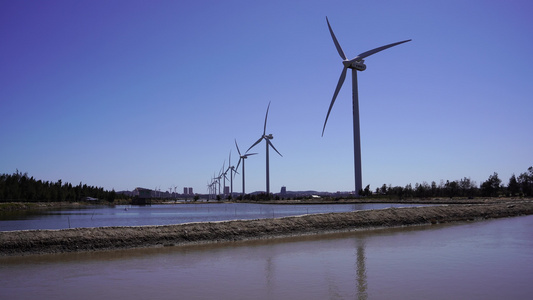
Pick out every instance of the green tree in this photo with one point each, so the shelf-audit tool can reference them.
(422, 190)
(366, 191)
(525, 181)
(408, 191)
(110, 196)
(434, 189)
(383, 189)
(513, 187)
(491, 187)
(467, 187)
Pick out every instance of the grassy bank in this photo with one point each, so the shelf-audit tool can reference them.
(108, 238)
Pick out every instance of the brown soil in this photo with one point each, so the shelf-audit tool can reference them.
(108, 238)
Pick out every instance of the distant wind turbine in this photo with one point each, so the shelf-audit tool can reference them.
(231, 170)
(268, 143)
(223, 175)
(218, 181)
(210, 187)
(214, 182)
(356, 64)
(242, 157)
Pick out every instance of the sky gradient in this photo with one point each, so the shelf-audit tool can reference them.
(126, 94)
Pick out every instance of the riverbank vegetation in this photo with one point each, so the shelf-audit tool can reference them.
(517, 186)
(19, 187)
(521, 186)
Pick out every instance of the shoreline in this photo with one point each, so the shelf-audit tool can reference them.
(30, 242)
(28, 206)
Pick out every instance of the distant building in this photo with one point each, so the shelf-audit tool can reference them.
(141, 196)
(283, 190)
(142, 193)
(187, 191)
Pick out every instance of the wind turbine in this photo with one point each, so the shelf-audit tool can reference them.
(225, 186)
(231, 170)
(268, 143)
(216, 180)
(356, 64)
(223, 175)
(242, 158)
(214, 184)
(210, 187)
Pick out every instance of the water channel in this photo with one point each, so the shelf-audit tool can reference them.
(472, 260)
(165, 214)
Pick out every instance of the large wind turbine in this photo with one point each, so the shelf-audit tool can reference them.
(268, 143)
(356, 64)
(242, 158)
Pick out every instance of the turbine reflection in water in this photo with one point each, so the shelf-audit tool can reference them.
(361, 270)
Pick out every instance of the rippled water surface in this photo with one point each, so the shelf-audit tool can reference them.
(480, 260)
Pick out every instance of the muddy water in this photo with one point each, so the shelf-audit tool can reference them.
(480, 260)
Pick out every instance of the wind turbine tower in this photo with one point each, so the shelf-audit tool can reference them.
(242, 157)
(224, 177)
(267, 138)
(231, 169)
(355, 64)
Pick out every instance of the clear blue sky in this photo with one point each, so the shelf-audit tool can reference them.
(125, 94)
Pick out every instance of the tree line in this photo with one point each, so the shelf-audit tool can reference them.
(20, 187)
(521, 186)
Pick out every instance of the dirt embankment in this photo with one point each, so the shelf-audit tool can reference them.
(108, 238)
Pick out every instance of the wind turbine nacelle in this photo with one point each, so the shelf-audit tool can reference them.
(270, 136)
(358, 65)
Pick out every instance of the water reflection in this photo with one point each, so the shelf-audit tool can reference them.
(269, 275)
(482, 260)
(361, 269)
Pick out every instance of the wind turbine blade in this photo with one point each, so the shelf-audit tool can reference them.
(339, 49)
(237, 147)
(238, 163)
(272, 145)
(339, 85)
(374, 51)
(258, 141)
(248, 154)
(266, 116)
